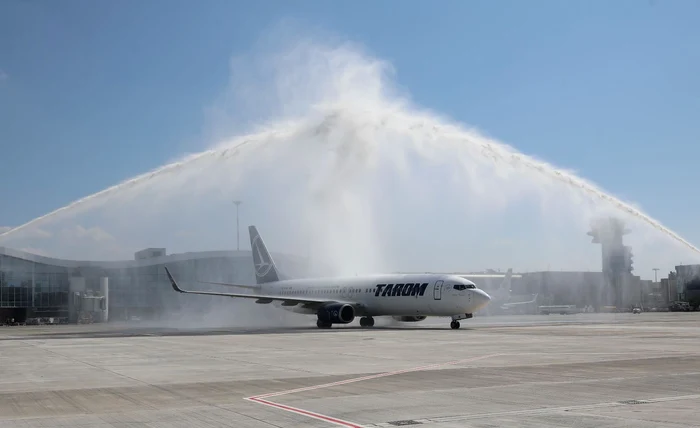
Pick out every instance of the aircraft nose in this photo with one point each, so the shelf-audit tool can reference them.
(481, 298)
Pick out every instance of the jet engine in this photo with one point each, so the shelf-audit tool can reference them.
(337, 313)
(409, 319)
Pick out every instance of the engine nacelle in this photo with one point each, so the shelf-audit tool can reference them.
(409, 319)
(337, 313)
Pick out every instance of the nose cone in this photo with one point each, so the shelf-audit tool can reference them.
(481, 299)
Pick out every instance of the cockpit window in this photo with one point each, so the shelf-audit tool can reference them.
(463, 286)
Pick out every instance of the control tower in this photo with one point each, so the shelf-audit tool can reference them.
(616, 257)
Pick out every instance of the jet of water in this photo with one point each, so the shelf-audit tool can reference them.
(430, 131)
(334, 156)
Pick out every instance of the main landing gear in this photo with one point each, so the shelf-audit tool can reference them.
(323, 324)
(366, 322)
(454, 325)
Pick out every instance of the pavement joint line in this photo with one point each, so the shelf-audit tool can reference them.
(558, 409)
(263, 398)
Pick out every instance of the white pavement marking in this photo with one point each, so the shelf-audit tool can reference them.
(261, 399)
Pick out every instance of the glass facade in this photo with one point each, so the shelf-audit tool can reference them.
(687, 279)
(36, 287)
(39, 288)
(145, 291)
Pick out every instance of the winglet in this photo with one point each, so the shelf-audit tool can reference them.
(172, 281)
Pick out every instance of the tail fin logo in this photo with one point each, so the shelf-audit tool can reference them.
(263, 265)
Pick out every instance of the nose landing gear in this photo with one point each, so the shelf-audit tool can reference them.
(455, 320)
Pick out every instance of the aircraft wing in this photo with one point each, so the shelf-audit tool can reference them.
(253, 287)
(261, 298)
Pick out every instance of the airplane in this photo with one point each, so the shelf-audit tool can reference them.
(338, 300)
(502, 293)
(502, 298)
(499, 294)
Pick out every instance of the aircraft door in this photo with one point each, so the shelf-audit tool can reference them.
(437, 292)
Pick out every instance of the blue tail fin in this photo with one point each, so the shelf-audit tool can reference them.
(265, 269)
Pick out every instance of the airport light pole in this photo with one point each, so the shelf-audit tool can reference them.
(238, 231)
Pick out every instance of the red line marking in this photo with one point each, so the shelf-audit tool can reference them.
(260, 399)
(308, 413)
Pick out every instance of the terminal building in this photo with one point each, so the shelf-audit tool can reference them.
(529, 292)
(687, 282)
(34, 287)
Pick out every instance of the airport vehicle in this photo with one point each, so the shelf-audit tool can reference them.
(337, 300)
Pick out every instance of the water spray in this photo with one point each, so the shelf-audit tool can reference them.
(495, 151)
(348, 111)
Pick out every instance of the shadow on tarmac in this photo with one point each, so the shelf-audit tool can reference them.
(123, 330)
(20, 333)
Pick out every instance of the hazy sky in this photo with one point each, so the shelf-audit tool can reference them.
(92, 93)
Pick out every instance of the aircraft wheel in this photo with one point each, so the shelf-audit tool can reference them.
(323, 324)
(454, 325)
(366, 322)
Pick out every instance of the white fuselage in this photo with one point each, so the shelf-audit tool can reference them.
(393, 294)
